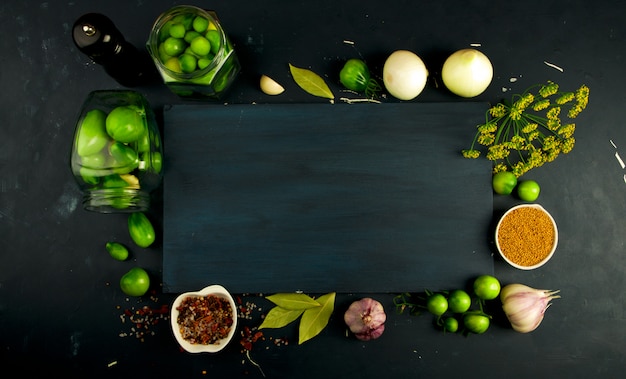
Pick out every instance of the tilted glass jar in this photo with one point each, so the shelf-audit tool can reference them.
(192, 53)
(116, 155)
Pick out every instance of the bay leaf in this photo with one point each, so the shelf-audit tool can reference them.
(293, 301)
(311, 82)
(314, 320)
(278, 317)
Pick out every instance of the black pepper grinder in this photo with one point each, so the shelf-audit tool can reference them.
(96, 36)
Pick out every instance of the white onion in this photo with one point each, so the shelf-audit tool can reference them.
(404, 75)
(467, 73)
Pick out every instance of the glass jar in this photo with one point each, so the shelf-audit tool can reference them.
(117, 153)
(192, 53)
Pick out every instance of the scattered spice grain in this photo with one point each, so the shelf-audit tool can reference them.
(526, 236)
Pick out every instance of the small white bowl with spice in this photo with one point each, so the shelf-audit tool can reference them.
(526, 236)
(204, 321)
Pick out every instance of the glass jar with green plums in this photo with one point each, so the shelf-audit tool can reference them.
(116, 155)
(193, 53)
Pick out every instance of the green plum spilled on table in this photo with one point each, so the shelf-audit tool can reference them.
(117, 251)
(141, 229)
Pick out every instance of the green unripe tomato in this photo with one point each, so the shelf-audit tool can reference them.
(355, 75)
(92, 134)
(528, 190)
(477, 323)
(450, 324)
(486, 287)
(126, 123)
(135, 282)
(459, 301)
(504, 182)
(140, 229)
(437, 304)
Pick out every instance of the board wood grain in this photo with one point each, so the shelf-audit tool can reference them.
(321, 198)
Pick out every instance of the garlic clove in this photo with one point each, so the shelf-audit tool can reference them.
(270, 87)
(371, 334)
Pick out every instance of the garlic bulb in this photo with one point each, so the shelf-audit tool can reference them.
(525, 306)
(366, 319)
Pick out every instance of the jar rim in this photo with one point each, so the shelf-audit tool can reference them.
(167, 16)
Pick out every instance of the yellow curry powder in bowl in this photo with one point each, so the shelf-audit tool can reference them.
(526, 236)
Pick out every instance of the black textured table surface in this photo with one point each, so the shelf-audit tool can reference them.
(61, 309)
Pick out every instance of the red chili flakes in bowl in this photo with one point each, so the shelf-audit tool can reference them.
(204, 319)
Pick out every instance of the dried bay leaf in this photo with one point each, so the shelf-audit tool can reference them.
(278, 317)
(293, 301)
(311, 82)
(314, 320)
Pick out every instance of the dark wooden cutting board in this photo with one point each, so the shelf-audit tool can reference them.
(321, 197)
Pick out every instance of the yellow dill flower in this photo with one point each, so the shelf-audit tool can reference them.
(470, 153)
(529, 127)
(523, 102)
(565, 98)
(549, 89)
(553, 113)
(498, 110)
(518, 142)
(541, 105)
(520, 168)
(549, 143)
(582, 95)
(552, 154)
(486, 139)
(490, 127)
(582, 98)
(496, 152)
(568, 145)
(574, 111)
(553, 124)
(536, 157)
(500, 167)
(567, 130)
(515, 114)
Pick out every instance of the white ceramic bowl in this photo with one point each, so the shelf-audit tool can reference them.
(552, 250)
(200, 348)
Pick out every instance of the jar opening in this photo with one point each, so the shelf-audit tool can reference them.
(172, 14)
(116, 200)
